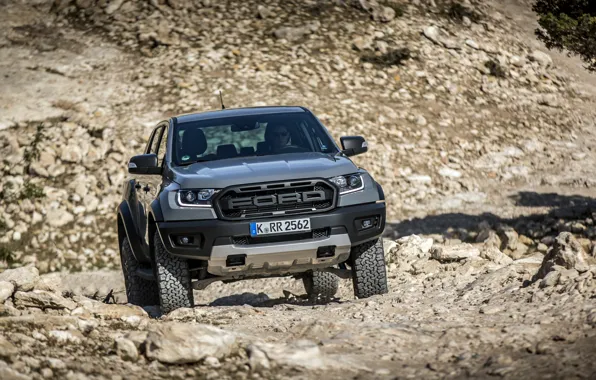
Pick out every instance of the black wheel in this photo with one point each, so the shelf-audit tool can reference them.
(173, 279)
(320, 285)
(139, 291)
(369, 274)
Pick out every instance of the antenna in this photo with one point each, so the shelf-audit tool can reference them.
(221, 100)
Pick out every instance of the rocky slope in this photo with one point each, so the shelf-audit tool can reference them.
(455, 310)
(462, 111)
(483, 142)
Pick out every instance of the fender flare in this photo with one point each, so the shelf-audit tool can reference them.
(129, 230)
(381, 192)
(156, 211)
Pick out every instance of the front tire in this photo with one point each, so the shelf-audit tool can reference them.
(173, 279)
(369, 274)
(139, 291)
(320, 285)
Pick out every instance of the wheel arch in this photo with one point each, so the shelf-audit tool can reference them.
(126, 229)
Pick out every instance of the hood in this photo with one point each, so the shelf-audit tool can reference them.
(256, 169)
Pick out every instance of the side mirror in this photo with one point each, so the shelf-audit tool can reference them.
(353, 145)
(144, 164)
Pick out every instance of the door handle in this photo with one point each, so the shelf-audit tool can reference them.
(146, 188)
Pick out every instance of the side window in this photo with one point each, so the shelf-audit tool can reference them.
(163, 146)
(155, 140)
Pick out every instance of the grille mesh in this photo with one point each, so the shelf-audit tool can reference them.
(270, 191)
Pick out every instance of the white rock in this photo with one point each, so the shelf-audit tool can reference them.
(456, 252)
(179, 343)
(126, 349)
(495, 255)
(449, 173)
(408, 250)
(471, 43)
(432, 33)
(58, 217)
(113, 6)
(421, 120)
(24, 278)
(419, 178)
(541, 58)
(66, 336)
(43, 299)
(517, 61)
(566, 252)
(302, 353)
(54, 363)
(383, 14)
(72, 153)
(6, 290)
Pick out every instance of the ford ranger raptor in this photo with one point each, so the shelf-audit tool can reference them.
(249, 193)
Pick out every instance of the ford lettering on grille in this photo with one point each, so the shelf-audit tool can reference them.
(262, 200)
(279, 199)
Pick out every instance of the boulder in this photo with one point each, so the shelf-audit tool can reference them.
(23, 278)
(432, 33)
(566, 252)
(7, 349)
(43, 300)
(541, 58)
(7, 373)
(409, 249)
(456, 252)
(383, 14)
(293, 34)
(6, 290)
(493, 254)
(50, 282)
(58, 217)
(111, 311)
(302, 353)
(179, 343)
(126, 349)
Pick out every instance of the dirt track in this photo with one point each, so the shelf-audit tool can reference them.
(513, 160)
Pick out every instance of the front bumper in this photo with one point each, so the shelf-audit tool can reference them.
(215, 239)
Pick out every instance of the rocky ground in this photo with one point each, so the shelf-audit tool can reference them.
(455, 310)
(478, 135)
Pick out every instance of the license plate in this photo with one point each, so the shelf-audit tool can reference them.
(279, 227)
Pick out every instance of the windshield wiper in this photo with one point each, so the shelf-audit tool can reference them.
(193, 162)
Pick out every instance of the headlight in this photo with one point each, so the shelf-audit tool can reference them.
(201, 197)
(348, 183)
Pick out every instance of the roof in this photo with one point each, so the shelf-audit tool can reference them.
(237, 112)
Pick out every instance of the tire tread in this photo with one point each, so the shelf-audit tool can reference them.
(173, 279)
(369, 273)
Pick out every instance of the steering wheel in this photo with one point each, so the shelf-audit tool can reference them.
(292, 149)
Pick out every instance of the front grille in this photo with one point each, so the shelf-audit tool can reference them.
(248, 240)
(275, 199)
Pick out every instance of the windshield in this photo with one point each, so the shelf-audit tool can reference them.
(253, 135)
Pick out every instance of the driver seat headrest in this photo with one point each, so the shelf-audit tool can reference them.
(194, 143)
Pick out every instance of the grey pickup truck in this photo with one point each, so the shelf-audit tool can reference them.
(248, 193)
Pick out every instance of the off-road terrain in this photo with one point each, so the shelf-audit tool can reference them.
(482, 139)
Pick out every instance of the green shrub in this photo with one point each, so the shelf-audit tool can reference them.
(6, 255)
(392, 57)
(31, 191)
(569, 24)
(495, 69)
(457, 12)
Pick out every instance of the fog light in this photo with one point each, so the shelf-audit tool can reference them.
(185, 240)
(366, 223)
